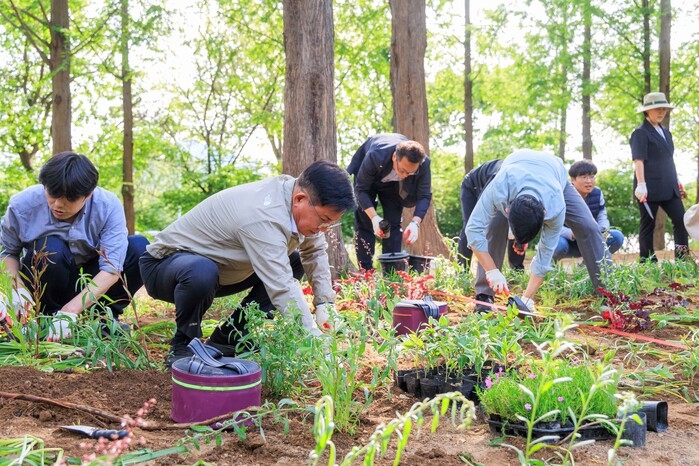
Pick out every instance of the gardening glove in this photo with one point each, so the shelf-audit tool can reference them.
(411, 232)
(641, 192)
(22, 302)
(327, 317)
(59, 328)
(529, 302)
(376, 222)
(497, 281)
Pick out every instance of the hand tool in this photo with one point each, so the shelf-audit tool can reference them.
(96, 432)
(645, 204)
(7, 330)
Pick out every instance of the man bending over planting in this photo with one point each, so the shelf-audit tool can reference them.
(533, 192)
(259, 236)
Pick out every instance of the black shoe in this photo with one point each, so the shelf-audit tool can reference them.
(219, 341)
(178, 350)
(176, 353)
(482, 308)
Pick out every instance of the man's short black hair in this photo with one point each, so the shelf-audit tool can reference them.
(412, 150)
(526, 218)
(328, 185)
(582, 167)
(69, 175)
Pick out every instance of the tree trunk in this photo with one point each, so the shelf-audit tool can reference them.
(408, 44)
(468, 92)
(664, 86)
(60, 67)
(309, 99)
(586, 85)
(127, 187)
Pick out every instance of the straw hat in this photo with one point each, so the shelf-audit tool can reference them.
(691, 221)
(654, 100)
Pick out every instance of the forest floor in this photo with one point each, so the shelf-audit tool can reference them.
(123, 392)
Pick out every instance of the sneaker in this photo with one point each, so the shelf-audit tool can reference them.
(483, 308)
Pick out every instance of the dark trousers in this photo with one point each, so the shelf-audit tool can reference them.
(675, 210)
(364, 237)
(191, 282)
(61, 274)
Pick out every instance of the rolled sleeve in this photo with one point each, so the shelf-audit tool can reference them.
(269, 257)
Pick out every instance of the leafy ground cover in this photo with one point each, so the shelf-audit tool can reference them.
(656, 361)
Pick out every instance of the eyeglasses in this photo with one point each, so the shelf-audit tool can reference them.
(323, 225)
(402, 171)
(586, 177)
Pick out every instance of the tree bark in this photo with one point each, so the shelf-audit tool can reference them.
(664, 86)
(127, 187)
(60, 67)
(468, 91)
(408, 44)
(586, 85)
(309, 99)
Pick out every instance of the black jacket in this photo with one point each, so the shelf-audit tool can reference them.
(659, 165)
(373, 161)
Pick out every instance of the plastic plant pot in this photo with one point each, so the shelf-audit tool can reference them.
(656, 415)
(429, 387)
(393, 262)
(634, 431)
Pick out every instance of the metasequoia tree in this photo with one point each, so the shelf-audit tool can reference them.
(468, 91)
(408, 43)
(309, 103)
(55, 52)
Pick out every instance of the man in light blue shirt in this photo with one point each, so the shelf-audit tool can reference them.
(532, 190)
(66, 227)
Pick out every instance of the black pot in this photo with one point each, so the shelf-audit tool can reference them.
(399, 378)
(412, 382)
(429, 387)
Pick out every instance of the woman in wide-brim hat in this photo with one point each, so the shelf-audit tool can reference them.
(655, 176)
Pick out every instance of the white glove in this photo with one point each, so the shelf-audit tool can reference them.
(529, 302)
(497, 281)
(641, 192)
(22, 302)
(327, 317)
(375, 221)
(411, 232)
(59, 329)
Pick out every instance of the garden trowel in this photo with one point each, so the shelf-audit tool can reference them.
(96, 432)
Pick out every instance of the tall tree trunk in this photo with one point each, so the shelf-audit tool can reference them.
(309, 100)
(408, 44)
(60, 67)
(127, 187)
(664, 86)
(468, 92)
(586, 84)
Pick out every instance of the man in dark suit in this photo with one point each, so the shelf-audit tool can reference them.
(395, 171)
(655, 176)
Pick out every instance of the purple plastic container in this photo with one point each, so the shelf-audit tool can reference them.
(196, 398)
(409, 317)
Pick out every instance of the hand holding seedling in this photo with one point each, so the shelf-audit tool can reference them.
(60, 326)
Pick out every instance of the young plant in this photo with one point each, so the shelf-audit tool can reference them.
(461, 412)
(283, 348)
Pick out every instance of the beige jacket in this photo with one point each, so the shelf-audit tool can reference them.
(249, 229)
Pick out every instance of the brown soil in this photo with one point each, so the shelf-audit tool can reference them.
(123, 392)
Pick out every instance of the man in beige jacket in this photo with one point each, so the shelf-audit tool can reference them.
(261, 236)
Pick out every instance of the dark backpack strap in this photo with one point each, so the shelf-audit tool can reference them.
(429, 307)
(212, 357)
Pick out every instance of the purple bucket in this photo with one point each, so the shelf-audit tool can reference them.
(408, 316)
(196, 397)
